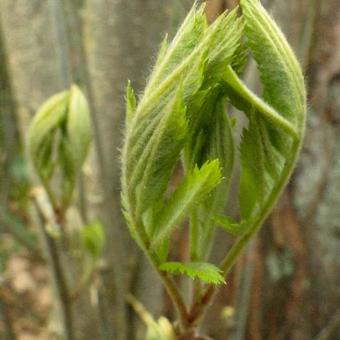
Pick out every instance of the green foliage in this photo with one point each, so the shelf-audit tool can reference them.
(131, 102)
(194, 188)
(59, 139)
(231, 226)
(211, 138)
(93, 238)
(181, 118)
(180, 122)
(159, 129)
(268, 152)
(206, 272)
(280, 72)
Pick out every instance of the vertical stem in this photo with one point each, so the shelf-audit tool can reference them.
(61, 285)
(173, 293)
(55, 266)
(176, 299)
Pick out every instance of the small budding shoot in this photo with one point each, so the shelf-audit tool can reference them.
(58, 142)
(181, 118)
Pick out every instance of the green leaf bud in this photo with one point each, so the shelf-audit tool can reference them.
(58, 142)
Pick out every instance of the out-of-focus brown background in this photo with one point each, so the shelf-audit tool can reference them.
(287, 286)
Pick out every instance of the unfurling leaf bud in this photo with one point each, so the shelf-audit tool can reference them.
(59, 139)
(182, 116)
(185, 74)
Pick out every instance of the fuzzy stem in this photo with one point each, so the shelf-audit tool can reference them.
(173, 293)
(231, 78)
(168, 282)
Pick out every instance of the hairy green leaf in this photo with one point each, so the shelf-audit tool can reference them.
(194, 188)
(272, 140)
(156, 163)
(280, 72)
(231, 226)
(211, 138)
(185, 69)
(203, 271)
(253, 184)
(131, 102)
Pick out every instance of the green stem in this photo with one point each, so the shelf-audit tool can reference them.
(236, 84)
(168, 282)
(174, 294)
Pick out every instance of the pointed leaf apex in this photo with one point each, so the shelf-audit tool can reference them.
(131, 102)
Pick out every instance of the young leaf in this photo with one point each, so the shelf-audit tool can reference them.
(79, 132)
(273, 138)
(131, 102)
(185, 41)
(280, 72)
(155, 165)
(59, 139)
(231, 226)
(224, 41)
(253, 184)
(43, 132)
(194, 188)
(93, 238)
(156, 134)
(203, 271)
(214, 128)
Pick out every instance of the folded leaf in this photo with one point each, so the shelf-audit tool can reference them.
(231, 226)
(131, 102)
(253, 184)
(43, 132)
(194, 188)
(214, 129)
(59, 139)
(273, 138)
(280, 72)
(155, 135)
(153, 169)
